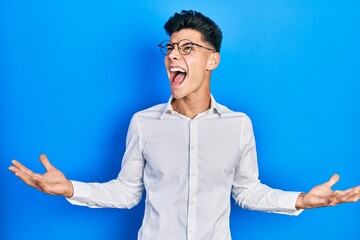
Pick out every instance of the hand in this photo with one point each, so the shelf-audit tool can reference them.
(323, 196)
(52, 182)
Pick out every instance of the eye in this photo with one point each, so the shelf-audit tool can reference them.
(186, 48)
(169, 48)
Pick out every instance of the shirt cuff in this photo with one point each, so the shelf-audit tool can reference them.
(82, 191)
(291, 202)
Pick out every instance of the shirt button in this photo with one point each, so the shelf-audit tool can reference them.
(193, 148)
(193, 174)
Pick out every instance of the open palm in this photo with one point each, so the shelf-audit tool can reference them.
(322, 195)
(52, 181)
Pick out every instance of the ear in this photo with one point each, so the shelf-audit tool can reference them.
(213, 62)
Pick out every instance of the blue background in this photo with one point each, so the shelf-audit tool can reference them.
(72, 73)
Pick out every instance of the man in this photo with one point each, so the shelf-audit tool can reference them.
(189, 154)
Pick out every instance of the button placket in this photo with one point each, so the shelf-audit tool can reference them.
(193, 182)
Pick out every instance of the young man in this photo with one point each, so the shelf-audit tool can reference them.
(190, 154)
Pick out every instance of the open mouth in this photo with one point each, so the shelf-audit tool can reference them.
(178, 75)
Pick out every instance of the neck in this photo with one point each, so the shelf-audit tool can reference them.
(192, 106)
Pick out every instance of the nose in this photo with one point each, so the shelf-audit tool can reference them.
(175, 54)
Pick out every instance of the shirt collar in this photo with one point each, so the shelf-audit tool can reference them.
(214, 107)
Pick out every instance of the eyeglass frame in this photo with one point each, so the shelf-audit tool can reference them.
(179, 48)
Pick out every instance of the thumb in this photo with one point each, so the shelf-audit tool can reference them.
(45, 161)
(334, 179)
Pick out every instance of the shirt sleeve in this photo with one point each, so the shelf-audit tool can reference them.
(123, 192)
(248, 191)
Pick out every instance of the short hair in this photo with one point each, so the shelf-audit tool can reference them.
(190, 19)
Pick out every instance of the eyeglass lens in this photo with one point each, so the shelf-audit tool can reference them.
(184, 47)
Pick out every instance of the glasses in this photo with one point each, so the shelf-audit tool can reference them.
(184, 47)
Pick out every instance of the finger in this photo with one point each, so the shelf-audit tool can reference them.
(351, 189)
(25, 178)
(334, 179)
(349, 197)
(20, 168)
(355, 198)
(45, 161)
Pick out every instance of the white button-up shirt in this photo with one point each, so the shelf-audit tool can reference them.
(189, 168)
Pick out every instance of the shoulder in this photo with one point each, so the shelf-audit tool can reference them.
(229, 113)
(153, 112)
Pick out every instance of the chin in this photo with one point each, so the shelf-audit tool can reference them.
(177, 95)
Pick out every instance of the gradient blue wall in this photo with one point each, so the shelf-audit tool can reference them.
(72, 73)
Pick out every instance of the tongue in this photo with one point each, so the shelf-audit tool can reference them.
(179, 78)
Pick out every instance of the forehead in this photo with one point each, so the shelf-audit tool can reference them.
(190, 34)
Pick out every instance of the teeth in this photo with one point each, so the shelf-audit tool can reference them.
(176, 69)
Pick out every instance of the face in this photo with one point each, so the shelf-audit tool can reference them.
(189, 75)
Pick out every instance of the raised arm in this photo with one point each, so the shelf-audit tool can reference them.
(323, 196)
(51, 182)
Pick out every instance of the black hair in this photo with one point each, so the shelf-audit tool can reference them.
(195, 20)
